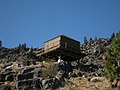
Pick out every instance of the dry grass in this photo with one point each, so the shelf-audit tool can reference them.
(80, 84)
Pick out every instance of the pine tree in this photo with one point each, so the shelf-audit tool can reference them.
(0, 44)
(85, 40)
(117, 33)
(113, 35)
(95, 39)
(112, 67)
(31, 54)
(91, 40)
(22, 47)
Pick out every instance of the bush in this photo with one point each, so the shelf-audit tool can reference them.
(49, 70)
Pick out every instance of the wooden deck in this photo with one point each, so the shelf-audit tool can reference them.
(67, 48)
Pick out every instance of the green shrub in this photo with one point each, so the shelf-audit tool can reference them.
(112, 68)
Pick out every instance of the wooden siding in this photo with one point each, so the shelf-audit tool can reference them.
(52, 44)
(62, 42)
(70, 44)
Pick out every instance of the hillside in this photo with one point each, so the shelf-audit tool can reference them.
(21, 69)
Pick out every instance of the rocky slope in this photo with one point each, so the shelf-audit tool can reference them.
(20, 69)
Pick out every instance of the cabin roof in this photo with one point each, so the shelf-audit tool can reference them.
(61, 36)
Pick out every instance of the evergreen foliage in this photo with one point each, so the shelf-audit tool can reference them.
(0, 44)
(95, 39)
(22, 47)
(31, 54)
(113, 35)
(91, 40)
(85, 40)
(117, 33)
(112, 64)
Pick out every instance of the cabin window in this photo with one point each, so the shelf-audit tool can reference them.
(65, 44)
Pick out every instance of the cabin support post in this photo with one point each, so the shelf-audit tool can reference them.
(78, 64)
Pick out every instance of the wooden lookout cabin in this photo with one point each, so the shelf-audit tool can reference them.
(63, 46)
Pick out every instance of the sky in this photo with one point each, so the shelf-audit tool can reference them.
(35, 21)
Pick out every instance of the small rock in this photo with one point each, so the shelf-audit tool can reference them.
(95, 79)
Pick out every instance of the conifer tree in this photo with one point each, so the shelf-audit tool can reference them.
(22, 47)
(95, 39)
(85, 40)
(0, 44)
(91, 40)
(113, 35)
(112, 64)
(117, 33)
(31, 54)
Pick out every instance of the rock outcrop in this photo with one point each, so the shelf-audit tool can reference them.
(19, 72)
